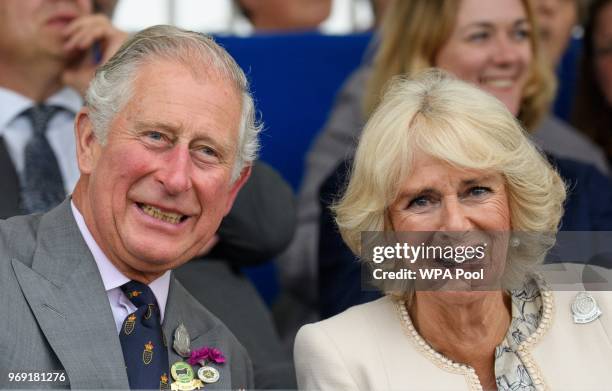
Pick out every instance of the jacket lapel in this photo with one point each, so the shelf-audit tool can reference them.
(203, 328)
(65, 292)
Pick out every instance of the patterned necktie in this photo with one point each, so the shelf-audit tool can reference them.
(142, 341)
(43, 187)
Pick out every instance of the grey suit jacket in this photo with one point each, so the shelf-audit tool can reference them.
(55, 315)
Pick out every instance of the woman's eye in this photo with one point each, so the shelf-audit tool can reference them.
(522, 34)
(479, 36)
(479, 191)
(604, 51)
(419, 202)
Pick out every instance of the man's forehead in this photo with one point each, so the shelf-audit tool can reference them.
(197, 65)
(158, 78)
(166, 97)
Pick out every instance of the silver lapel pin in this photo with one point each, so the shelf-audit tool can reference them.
(585, 309)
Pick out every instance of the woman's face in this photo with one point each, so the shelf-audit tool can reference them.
(440, 197)
(490, 48)
(440, 205)
(602, 43)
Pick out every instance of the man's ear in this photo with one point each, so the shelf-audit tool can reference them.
(236, 186)
(88, 146)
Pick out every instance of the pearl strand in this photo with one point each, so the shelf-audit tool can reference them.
(438, 359)
(469, 372)
(526, 346)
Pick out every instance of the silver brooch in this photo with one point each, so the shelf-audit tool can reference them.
(585, 309)
(182, 341)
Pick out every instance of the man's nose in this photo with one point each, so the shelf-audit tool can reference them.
(176, 172)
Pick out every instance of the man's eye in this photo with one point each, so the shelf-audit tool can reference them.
(157, 136)
(207, 151)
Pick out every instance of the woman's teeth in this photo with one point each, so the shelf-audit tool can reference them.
(498, 83)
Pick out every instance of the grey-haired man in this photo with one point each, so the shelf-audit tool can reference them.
(161, 162)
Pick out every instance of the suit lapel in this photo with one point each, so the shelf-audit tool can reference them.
(9, 197)
(65, 292)
(203, 328)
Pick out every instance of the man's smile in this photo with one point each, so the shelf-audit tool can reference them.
(166, 216)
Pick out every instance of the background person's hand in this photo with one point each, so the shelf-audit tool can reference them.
(93, 40)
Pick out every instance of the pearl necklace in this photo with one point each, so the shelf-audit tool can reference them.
(523, 350)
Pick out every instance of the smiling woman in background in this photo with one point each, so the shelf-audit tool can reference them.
(441, 155)
(492, 44)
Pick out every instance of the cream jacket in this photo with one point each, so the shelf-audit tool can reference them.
(368, 347)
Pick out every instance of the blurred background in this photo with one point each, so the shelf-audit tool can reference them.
(224, 17)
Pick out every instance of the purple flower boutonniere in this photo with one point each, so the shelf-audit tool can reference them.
(216, 356)
(204, 355)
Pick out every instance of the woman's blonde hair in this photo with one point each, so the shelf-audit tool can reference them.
(413, 33)
(455, 122)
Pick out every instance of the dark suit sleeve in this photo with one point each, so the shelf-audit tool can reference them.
(588, 206)
(599, 187)
(339, 269)
(9, 182)
(262, 221)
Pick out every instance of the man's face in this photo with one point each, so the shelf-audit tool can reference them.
(31, 28)
(556, 19)
(287, 14)
(159, 187)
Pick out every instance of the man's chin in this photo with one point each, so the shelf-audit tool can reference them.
(158, 258)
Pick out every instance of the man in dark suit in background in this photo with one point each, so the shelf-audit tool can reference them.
(161, 162)
(44, 45)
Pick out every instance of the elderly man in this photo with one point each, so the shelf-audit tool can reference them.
(161, 161)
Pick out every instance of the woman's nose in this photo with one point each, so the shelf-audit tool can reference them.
(454, 217)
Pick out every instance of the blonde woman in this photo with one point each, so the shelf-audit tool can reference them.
(439, 155)
(492, 44)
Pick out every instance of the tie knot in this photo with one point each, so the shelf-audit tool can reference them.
(39, 117)
(139, 294)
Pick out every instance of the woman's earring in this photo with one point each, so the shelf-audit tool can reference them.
(515, 242)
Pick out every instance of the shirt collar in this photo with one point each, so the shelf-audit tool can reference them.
(68, 99)
(13, 104)
(112, 278)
